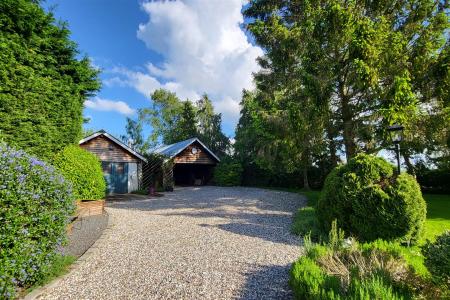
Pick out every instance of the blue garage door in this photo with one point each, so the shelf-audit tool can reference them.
(116, 176)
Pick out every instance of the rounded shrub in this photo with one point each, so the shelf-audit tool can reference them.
(228, 173)
(437, 258)
(35, 205)
(370, 202)
(84, 170)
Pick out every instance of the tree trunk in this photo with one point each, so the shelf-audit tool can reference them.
(409, 165)
(347, 120)
(305, 179)
(332, 145)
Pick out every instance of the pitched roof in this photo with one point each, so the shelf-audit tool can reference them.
(113, 139)
(173, 150)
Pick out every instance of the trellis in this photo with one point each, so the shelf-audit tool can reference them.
(157, 172)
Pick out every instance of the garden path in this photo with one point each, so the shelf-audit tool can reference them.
(194, 243)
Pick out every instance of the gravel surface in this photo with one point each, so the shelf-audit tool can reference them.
(85, 232)
(194, 243)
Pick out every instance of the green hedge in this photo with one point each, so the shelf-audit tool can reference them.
(35, 205)
(84, 170)
(228, 173)
(434, 181)
(369, 201)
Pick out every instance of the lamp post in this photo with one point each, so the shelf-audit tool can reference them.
(396, 133)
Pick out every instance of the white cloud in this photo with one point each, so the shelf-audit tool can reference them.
(109, 105)
(204, 51)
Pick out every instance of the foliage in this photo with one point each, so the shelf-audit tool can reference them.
(305, 222)
(345, 269)
(274, 147)
(134, 137)
(437, 258)
(370, 202)
(228, 173)
(173, 120)
(35, 205)
(42, 83)
(186, 127)
(365, 65)
(59, 267)
(209, 128)
(162, 116)
(83, 169)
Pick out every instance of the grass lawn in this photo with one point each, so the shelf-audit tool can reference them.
(438, 215)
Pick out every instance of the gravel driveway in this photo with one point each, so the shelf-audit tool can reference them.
(194, 243)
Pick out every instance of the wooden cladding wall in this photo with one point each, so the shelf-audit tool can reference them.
(107, 150)
(201, 157)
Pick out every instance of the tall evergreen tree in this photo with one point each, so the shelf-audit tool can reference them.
(42, 83)
(186, 126)
(209, 127)
(365, 64)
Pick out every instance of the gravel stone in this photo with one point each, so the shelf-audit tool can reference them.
(85, 231)
(194, 243)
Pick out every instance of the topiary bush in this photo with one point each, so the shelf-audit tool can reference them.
(228, 173)
(35, 205)
(84, 170)
(437, 258)
(370, 202)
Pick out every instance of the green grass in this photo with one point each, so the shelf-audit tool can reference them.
(438, 215)
(59, 267)
(305, 220)
(312, 196)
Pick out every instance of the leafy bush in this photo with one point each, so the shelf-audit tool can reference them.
(437, 258)
(84, 170)
(369, 201)
(228, 173)
(345, 269)
(35, 205)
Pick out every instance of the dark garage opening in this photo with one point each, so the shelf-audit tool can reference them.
(192, 174)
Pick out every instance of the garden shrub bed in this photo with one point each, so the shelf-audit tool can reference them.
(36, 205)
(346, 269)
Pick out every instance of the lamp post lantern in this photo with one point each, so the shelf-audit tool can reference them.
(396, 132)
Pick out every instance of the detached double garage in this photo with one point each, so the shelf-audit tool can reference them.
(122, 166)
(193, 162)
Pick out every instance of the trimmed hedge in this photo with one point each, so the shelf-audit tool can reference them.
(370, 202)
(35, 205)
(84, 170)
(228, 173)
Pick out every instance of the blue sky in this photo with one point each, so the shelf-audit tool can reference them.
(190, 47)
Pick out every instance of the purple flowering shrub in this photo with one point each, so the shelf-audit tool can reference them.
(35, 206)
